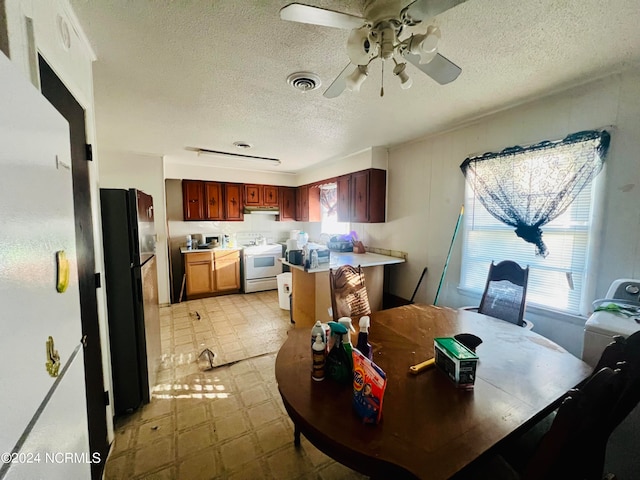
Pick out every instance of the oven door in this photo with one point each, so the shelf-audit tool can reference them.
(262, 266)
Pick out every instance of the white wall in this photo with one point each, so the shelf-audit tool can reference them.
(426, 190)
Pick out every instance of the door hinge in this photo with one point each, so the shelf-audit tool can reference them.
(98, 279)
(89, 152)
(106, 397)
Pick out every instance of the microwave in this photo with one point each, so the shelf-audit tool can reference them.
(212, 240)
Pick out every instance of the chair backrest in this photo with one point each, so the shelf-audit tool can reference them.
(348, 292)
(624, 352)
(505, 292)
(578, 434)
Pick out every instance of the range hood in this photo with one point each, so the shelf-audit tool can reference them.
(262, 210)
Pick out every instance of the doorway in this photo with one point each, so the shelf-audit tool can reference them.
(61, 98)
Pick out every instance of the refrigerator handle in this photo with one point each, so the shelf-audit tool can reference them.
(139, 284)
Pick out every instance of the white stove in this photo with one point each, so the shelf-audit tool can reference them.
(602, 326)
(261, 265)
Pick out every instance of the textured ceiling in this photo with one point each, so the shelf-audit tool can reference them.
(174, 74)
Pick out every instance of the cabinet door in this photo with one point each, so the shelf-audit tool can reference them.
(360, 197)
(227, 270)
(377, 195)
(344, 198)
(214, 209)
(199, 272)
(270, 196)
(287, 204)
(253, 195)
(234, 205)
(192, 200)
(302, 201)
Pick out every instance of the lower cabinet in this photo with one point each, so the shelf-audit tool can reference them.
(212, 272)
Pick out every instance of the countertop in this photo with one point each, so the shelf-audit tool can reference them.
(214, 249)
(349, 258)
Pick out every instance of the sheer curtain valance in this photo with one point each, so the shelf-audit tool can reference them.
(527, 187)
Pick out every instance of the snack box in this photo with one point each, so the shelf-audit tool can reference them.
(456, 360)
(369, 383)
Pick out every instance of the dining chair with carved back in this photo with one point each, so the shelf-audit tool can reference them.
(348, 292)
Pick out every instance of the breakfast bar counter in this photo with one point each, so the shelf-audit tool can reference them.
(311, 292)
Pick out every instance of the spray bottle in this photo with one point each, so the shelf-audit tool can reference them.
(363, 337)
(346, 338)
(339, 364)
(318, 329)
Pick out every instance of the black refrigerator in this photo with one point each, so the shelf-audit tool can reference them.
(131, 283)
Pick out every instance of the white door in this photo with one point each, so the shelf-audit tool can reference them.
(36, 218)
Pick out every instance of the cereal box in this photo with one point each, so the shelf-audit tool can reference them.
(369, 383)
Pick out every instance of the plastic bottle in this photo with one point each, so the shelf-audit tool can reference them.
(346, 338)
(318, 329)
(319, 351)
(189, 242)
(363, 337)
(314, 258)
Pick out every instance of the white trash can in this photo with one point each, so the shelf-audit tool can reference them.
(284, 289)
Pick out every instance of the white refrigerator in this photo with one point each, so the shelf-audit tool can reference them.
(44, 431)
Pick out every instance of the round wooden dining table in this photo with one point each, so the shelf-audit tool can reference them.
(430, 429)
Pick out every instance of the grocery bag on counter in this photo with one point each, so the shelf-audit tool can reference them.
(369, 383)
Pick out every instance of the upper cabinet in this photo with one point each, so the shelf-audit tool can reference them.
(192, 200)
(214, 209)
(287, 203)
(212, 200)
(233, 200)
(261, 195)
(362, 196)
(308, 204)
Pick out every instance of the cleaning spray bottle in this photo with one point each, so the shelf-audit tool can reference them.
(363, 337)
(338, 366)
(346, 338)
(318, 329)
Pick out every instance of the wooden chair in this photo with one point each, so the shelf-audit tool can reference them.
(578, 434)
(505, 293)
(348, 292)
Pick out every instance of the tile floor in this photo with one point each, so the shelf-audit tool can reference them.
(223, 423)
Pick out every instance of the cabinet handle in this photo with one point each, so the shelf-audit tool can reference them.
(212, 201)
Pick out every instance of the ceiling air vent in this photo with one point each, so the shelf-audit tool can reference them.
(304, 81)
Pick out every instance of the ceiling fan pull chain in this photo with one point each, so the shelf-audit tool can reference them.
(382, 80)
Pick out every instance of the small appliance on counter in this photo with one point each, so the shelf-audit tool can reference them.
(295, 257)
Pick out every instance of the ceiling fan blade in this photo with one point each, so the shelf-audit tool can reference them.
(424, 9)
(441, 69)
(339, 84)
(297, 12)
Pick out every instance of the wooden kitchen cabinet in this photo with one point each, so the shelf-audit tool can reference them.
(271, 197)
(192, 200)
(214, 207)
(212, 272)
(261, 195)
(199, 273)
(308, 204)
(234, 203)
(212, 200)
(287, 204)
(343, 184)
(362, 196)
(227, 270)
(253, 195)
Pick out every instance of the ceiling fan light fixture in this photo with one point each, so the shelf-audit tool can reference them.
(400, 71)
(357, 78)
(360, 48)
(425, 45)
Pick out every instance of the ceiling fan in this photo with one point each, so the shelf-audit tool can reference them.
(377, 35)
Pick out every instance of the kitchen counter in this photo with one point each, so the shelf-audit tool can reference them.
(349, 258)
(214, 249)
(315, 297)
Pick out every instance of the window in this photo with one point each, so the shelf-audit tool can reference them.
(556, 282)
(329, 210)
